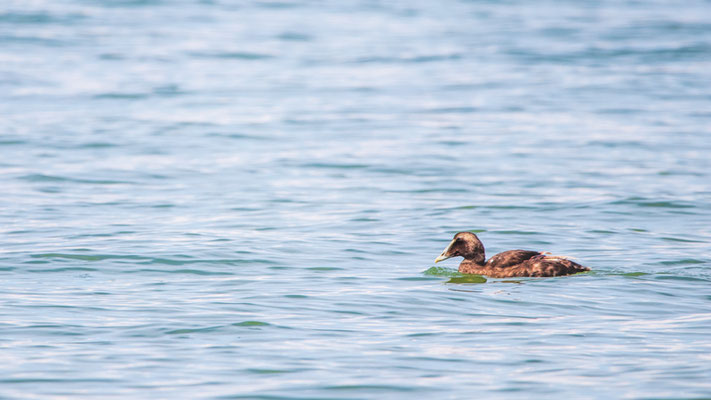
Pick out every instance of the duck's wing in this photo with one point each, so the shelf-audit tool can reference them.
(511, 258)
(549, 266)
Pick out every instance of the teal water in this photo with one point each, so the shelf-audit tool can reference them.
(222, 200)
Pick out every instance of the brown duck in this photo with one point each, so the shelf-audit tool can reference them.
(512, 263)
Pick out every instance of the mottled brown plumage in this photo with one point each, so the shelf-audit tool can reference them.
(512, 263)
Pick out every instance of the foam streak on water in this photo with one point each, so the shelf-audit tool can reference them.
(214, 199)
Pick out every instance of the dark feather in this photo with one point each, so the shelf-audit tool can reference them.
(510, 258)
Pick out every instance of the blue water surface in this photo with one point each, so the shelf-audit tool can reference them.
(220, 199)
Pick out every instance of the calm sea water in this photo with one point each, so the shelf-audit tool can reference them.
(217, 199)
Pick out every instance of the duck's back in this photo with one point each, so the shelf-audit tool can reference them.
(510, 258)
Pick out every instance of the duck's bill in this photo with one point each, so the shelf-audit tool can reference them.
(441, 257)
(444, 255)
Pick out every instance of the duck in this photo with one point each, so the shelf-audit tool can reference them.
(508, 264)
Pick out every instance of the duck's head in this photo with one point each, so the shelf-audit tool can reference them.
(464, 244)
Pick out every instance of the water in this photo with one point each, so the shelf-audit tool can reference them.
(214, 199)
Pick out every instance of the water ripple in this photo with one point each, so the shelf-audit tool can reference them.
(211, 199)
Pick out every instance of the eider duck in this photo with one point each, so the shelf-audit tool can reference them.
(512, 263)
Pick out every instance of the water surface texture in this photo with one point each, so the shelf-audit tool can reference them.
(221, 199)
